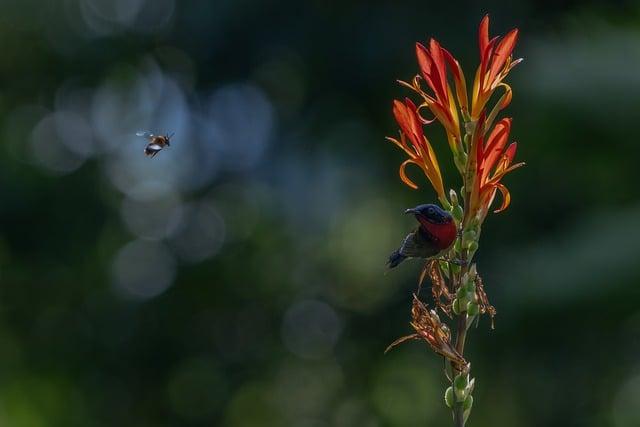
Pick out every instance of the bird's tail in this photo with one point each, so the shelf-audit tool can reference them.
(395, 258)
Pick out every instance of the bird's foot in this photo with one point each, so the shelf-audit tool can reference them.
(456, 261)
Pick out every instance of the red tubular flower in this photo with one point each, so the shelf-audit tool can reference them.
(491, 162)
(434, 71)
(433, 63)
(419, 151)
(495, 63)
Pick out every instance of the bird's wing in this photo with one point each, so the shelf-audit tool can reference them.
(418, 245)
(410, 247)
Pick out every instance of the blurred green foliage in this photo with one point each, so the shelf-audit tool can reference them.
(237, 279)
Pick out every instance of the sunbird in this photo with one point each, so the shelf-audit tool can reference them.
(435, 234)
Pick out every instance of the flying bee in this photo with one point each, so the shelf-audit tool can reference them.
(156, 142)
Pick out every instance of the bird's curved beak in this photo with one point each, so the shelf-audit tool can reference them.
(412, 210)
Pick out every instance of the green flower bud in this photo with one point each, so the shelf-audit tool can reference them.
(457, 213)
(472, 246)
(460, 158)
(469, 127)
(455, 306)
(473, 271)
(457, 246)
(449, 398)
(460, 387)
(470, 287)
(466, 243)
(469, 234)
(455, 268)
(461, 293)
(466, 279)
(454, 197)
(468, 403)
(471, 385)
(472, 308)
(461, 381)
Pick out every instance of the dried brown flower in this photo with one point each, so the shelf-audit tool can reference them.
(429, 328)
(442, 297)
(483, 300)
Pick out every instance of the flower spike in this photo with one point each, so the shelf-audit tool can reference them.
(481, 150)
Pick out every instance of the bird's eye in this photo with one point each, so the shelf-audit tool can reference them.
(430, 211)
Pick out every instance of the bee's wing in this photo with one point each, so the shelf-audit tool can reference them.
(144, 134)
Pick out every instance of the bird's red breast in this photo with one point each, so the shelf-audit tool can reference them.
(445, 234)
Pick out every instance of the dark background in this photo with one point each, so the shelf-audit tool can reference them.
(237, 279)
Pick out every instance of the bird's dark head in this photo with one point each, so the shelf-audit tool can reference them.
(431, 213)
(437, 222)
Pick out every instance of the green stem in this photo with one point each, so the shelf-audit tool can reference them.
(461, 336)
(458, 410)
(468, 175)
